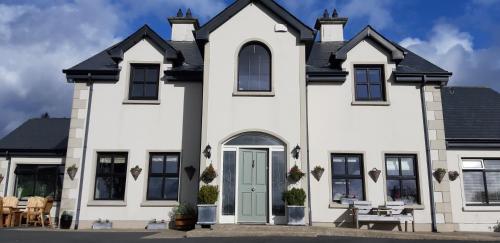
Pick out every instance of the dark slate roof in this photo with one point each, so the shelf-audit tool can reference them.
(40, 135)
(471, 113)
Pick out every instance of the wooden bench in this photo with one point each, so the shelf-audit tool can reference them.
(393, 212)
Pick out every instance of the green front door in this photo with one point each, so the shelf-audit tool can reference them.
(252, 195)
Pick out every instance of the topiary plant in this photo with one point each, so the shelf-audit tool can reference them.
(295, 197)
(208, 194)
(208, 174)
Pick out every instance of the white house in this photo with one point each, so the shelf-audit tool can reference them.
(255, 84)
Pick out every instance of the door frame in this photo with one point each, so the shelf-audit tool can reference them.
(233, 219)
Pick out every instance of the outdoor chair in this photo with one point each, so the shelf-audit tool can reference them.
(10, 205)
(1, 212)
(34, 210)
(49, 203)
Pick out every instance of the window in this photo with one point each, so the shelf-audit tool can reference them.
(347, 177)
(163, 181)
(369, 83)
(402, 179)
(39, 180)
(111, 176)
(229, 180)
(254, 68)
(144, 81)
(482, 181)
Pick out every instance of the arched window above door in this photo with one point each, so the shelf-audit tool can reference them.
(255, 138)
(254, 68)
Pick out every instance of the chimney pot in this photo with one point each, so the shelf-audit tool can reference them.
(326, 15)
(335, 13)
(183, 26)
(189, 14)
(180, 14)
(331, 28)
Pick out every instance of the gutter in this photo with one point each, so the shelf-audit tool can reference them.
(7, 177)
(308, 164)
(85, 141)
(428, 156)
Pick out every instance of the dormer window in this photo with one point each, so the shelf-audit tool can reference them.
(254, 68)
(144, 81)
(369, 83)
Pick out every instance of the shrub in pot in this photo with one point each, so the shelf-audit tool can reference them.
(207, 209)
(209, 174)
(184, 216)
(66, 220)
(295, 199)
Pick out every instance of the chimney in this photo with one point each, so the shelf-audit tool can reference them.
(183, 26)
(331, 27)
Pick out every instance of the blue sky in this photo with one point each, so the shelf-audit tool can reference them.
(40, 38)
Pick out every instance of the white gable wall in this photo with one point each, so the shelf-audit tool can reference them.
(171, 124)
(337, 124)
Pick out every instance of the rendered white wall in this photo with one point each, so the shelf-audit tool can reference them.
(182, 32)
(171, 125)
(332, 32)
(226, 114)
(338, 126)
(470, 218)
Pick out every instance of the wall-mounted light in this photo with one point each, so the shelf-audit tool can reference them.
(296, 152)
(207, 152)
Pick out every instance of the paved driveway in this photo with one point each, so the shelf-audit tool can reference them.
(27, 236)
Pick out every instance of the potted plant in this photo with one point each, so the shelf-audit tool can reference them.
(295, 174)
(66, 220)
(208, 174)
(184, 216)
(207, 209)
(317, 172)
(295, 199)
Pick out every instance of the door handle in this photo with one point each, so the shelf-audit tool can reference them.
(253, 163)
(253, 189)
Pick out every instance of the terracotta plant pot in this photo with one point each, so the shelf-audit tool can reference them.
(183, 222)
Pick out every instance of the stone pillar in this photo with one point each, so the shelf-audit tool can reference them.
(75, 147)
(437, 141)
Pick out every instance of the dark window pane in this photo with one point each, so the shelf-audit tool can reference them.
(493, 183)
(361, 76)
(339, 189)
(171, 188)
(152, 75)
(139, 74)
(229, 183)
(356, 189)
(392, 165)
(254, 68)
(474, 187)
(155, 185)
(25, 185)
(362, 92)
(45, 185)
(151, 90)
(172, 164)
(374, 76)
(409, 193)
(118, 189)
(137, 90)
(354, 165)
(157, 162)
(338, 166)
(375, 92)
(279, 182)
(254, 138)
(105, 165)
(120, 165)
(103, 187)
(407, 167)
(393, 190)
(492, 164)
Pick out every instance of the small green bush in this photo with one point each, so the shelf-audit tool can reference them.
(295, 197)
(185, 210)
(208, 195)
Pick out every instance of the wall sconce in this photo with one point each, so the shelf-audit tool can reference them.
(207, 152)
(296, 152)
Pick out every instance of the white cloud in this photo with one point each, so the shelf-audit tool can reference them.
(377, 11)
(453, 50)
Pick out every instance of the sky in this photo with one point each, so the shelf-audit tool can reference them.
(39, 38)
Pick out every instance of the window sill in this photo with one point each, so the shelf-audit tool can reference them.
(481, 208)
(371, 103)
(415, 207)
(254, 94)
(103, 203)
(160, 204)
(338, 206)
(141, 102)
